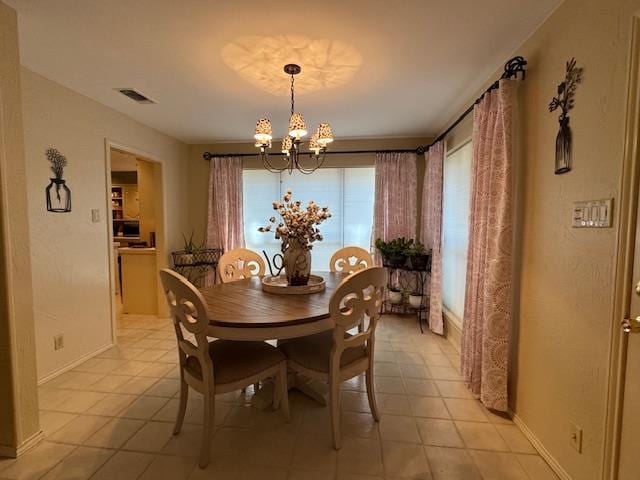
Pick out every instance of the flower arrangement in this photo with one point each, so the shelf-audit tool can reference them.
(297, 229)
(298, 224)
(57, 160)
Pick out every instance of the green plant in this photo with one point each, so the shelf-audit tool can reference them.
(415, 248)
(189, 245)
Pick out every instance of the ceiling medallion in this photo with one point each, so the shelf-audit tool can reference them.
(292, 142)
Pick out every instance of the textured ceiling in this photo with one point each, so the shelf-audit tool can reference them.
(372, 68)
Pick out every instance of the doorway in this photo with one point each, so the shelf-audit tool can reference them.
(623, 423)
(135, 228)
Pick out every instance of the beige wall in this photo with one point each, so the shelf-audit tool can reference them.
(69, 252)
(566, 274)
(18, 389)
(199, 168)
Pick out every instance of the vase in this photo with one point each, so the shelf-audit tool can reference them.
(415, 301)
(395, 297)
(563, 147)
(58, 196)
(297, 263)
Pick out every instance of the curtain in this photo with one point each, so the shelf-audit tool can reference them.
(394, 209)
(225, 227)
(487, 309)
(431, 231)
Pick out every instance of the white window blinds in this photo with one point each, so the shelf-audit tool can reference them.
(455, 228)
(348, 192)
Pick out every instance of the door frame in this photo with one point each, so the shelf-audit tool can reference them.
(161, 232)
(628, 211)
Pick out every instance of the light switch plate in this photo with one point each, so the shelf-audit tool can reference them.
(592, 213)
(95, 215)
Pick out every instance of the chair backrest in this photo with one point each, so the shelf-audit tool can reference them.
(188, 311)
(358, 295)
(240, 263)
(341, 260)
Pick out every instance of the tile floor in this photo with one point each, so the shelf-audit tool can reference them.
(112, 418)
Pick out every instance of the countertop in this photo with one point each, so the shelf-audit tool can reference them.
(137, 251)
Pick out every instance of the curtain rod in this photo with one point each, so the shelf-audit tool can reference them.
(511, 70)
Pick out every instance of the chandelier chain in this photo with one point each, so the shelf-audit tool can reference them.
(292, 100)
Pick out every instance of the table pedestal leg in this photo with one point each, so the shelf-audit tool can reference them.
(315, 389)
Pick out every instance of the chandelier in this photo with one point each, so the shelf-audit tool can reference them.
(292, 156)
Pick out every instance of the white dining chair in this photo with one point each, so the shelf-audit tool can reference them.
(219, 366)
(240, 263)
(336, 356)
(350, 260)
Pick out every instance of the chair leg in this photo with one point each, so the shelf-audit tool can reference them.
(335, 413)
(207, 428)
(371, 394)
(182, 407)
(283, 391)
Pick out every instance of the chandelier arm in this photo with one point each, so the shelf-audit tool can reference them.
(266, 163)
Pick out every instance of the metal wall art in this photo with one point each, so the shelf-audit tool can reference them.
(58, 195)
(565, 102)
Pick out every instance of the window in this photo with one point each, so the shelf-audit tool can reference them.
(455, 228)
(348, 192)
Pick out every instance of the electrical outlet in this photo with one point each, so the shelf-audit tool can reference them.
(58, 342)
(575, 437)
(95, 215)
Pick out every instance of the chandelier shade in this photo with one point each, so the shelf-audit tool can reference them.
(292, 142)
(297, 127)
(287, 143)
(325, 134)
(263, 130)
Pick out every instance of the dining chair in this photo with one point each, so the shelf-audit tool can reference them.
(240, 263)
(336, 356)
(341, 260)
(220, 366)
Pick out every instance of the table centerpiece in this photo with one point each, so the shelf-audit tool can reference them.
(297, 230)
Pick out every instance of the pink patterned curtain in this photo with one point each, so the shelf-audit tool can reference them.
(487, 308)
(394, 211)
(431, 234)
(225, 227)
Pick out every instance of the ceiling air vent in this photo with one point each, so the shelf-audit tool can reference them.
(135, 95)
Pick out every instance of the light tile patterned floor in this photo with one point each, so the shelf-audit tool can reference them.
(112, 418)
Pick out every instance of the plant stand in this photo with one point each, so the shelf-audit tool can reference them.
(203, 262)
(412, 280)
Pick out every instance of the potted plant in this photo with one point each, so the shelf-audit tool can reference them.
(393, 252)
(415, 299)
(418, 257)
(186, 257)
(395, 295)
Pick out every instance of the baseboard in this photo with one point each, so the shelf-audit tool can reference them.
(74, 364)
(453, 330)
(24, 447)
(537, 444)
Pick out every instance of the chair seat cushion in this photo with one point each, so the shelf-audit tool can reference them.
(313, 351)
(234, 360)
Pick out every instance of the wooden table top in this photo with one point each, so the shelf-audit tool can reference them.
(244, 304)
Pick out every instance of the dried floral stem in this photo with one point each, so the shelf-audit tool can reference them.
(298, 224)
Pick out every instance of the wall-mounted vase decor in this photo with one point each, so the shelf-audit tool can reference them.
(565, 102)
(58, 195)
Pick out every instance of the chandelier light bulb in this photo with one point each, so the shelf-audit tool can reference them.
(263, 131)
(325, 134)
(297, 127)
(287, 143)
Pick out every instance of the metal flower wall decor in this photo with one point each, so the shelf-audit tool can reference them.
(58, 195)
(565, 102)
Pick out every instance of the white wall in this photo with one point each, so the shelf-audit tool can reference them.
(69, 252)
(560, 370)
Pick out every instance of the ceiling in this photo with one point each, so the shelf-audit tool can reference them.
(372, 68)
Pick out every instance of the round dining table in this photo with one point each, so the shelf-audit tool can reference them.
(241, 310)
